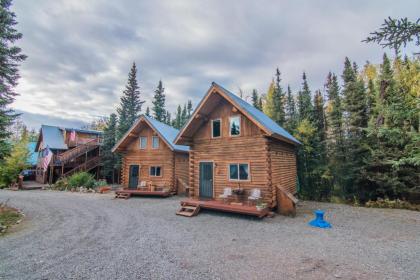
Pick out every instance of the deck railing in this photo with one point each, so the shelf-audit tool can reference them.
(77, 151)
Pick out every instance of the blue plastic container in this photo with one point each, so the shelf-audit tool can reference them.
(319, 220)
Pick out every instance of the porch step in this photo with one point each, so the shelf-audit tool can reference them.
(122, 195)
(188, 211)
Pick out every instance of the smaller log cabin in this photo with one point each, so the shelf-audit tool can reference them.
(72, 149)
(150, 159)
(234, 145)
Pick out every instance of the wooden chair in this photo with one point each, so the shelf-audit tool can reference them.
(255, 196)
(227, 192)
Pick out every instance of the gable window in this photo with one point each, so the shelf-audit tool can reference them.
(235, 126)
(155, 142)
(155, 171)
(143, 142)
(239, 171)
(216, 129)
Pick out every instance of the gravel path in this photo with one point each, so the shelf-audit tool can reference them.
(92, 236)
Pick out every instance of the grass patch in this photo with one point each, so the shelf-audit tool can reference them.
(8, 216)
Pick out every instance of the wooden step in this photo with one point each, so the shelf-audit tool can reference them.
(122, 195)
(188, 211)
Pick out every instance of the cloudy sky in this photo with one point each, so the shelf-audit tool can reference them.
(79, 52)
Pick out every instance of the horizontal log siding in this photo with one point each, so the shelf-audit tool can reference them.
(283, 165)
(181, 167)
(163, 156)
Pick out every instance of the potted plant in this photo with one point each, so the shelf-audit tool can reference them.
(261, 205)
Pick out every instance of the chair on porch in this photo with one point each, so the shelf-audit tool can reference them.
(227, 192)
(143, 185)
(254, 197)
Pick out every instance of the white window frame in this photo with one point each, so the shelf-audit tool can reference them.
(212, 121)
(154, 175)
(155, 137)
(145, 146)
(238, 164)
(240, 128)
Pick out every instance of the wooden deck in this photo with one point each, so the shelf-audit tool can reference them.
(144, 193)
(220, 206)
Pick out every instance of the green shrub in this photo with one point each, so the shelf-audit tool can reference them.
(61, 185)
(81, 179)
(100, 183)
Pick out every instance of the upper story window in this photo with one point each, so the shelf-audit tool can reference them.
(143, 142)
(235, 126)
(216, 128)
(155, 142)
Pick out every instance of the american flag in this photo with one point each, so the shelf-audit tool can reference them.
(47, 158)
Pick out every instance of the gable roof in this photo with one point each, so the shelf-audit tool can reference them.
(269, 126)
(53, 137)
(166, 132)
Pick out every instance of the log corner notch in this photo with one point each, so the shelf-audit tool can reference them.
(286, 202)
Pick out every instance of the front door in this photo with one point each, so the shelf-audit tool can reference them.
(133, 177)
(206, 180)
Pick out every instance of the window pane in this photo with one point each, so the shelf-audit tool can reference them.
(143, 142)
(243, 171)
(157, 170)
(235, 126)
(155, 142)
(152, 171)
(233, 171)
(216, 128)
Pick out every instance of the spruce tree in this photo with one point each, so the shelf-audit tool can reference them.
(109, 159)
(279, 100)
(184, 116)
(305, 107)
(159, 110)
(168, 118)
(189, 109)
(355, 107)
(10, 58)
(255, 99)
(178, 118)
(148, 111)
(335, 134)
(291, 116)
(130, 103)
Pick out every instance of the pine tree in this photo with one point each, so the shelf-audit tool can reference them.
(355, 107)
(279, 100)
(305, 107)
(148, 111)
(159, 103)
(10, 58)
(130, 103)
(109, 159)
(291, 116)
(255, 99)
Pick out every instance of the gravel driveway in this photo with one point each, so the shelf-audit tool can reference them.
(92, 236)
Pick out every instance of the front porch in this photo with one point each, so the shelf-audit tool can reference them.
(238, 208)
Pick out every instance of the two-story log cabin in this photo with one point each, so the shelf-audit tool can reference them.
(234, 145)
(151, 163)
(72, 150)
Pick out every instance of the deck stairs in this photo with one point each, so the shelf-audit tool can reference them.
(122, 195)
(188, 210)
(77, 151)
(85, 166)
